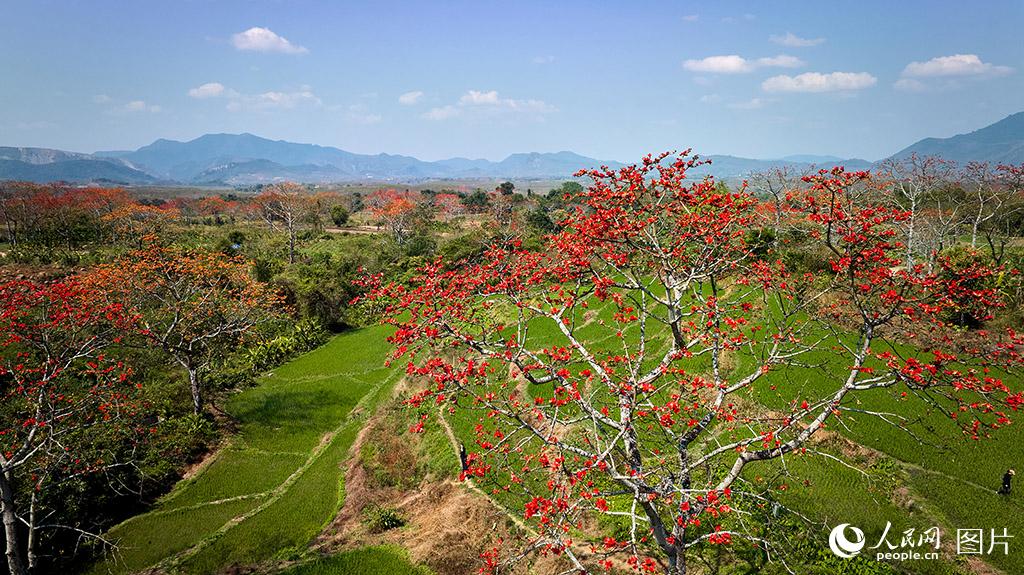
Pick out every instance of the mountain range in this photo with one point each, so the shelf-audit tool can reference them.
(245, 159)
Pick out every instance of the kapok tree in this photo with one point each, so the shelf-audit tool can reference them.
(195, 306)
(619, 371)
(396, 211)
(287, 206)
(59, 395)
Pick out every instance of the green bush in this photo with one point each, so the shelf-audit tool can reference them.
(339, 215)
(307, 334)
(382, 518)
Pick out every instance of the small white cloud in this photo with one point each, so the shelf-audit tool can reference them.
(909, 85)
(752, 104)
(360, 114)
(710, 99)
(691, 18)
(731, 64)
(794, 41)
(208, 90)
(476, 98)
(100, 99)
(284, 99)
(780, 61)
(140, 106)
(442, 113)
(484, 103)
(735, 64)
(238, 101)
(258, 39)
(543, 59)
(817, 82)
(274, 100)
(955, 65)
(410, 98)
(36, 125)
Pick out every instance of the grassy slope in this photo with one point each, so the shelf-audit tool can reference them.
(278, 482)
(366, 561)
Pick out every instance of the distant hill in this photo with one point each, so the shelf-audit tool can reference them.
(999, 143)
(266, 172)
(245, 159)
(723, 166)
(812, 159)
(44, 165)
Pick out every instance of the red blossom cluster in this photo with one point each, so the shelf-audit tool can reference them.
(602, 369)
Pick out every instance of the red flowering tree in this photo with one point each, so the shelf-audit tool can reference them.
(618, 372)
(59, 394)
(193, 305)
(396, 211)
(449, 205)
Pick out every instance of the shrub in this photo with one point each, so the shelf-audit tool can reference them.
(339, 215)
(382, 518)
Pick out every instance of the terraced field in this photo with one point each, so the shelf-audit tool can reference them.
(278, 482)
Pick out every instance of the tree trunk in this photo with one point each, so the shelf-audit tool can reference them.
(14, 563)
(291, 245)
(30, 548)
(197, 390)
(677, 562)
(974, 230)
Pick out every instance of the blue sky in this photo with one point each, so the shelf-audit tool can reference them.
(612, 80)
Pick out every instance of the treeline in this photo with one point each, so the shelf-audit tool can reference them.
(125, 320)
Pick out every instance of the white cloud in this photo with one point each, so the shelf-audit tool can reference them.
(817, 82)
(794, 41)
(752, 104)
(35, 126)
(410, 98)
(209, 90)
(731, 64)
(276, 100)
(475, 97)
(140, 106)
(691, 18)
(910, 85)
(442, 113)
(258, 39)
(734, 64)
(780, 61)
(543, 59)
(100, 99)
(710, 99)
(360, 114)
(955, 65)
(481, 102)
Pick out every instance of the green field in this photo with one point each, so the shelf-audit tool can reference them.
(278, 481)
(366, 561)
